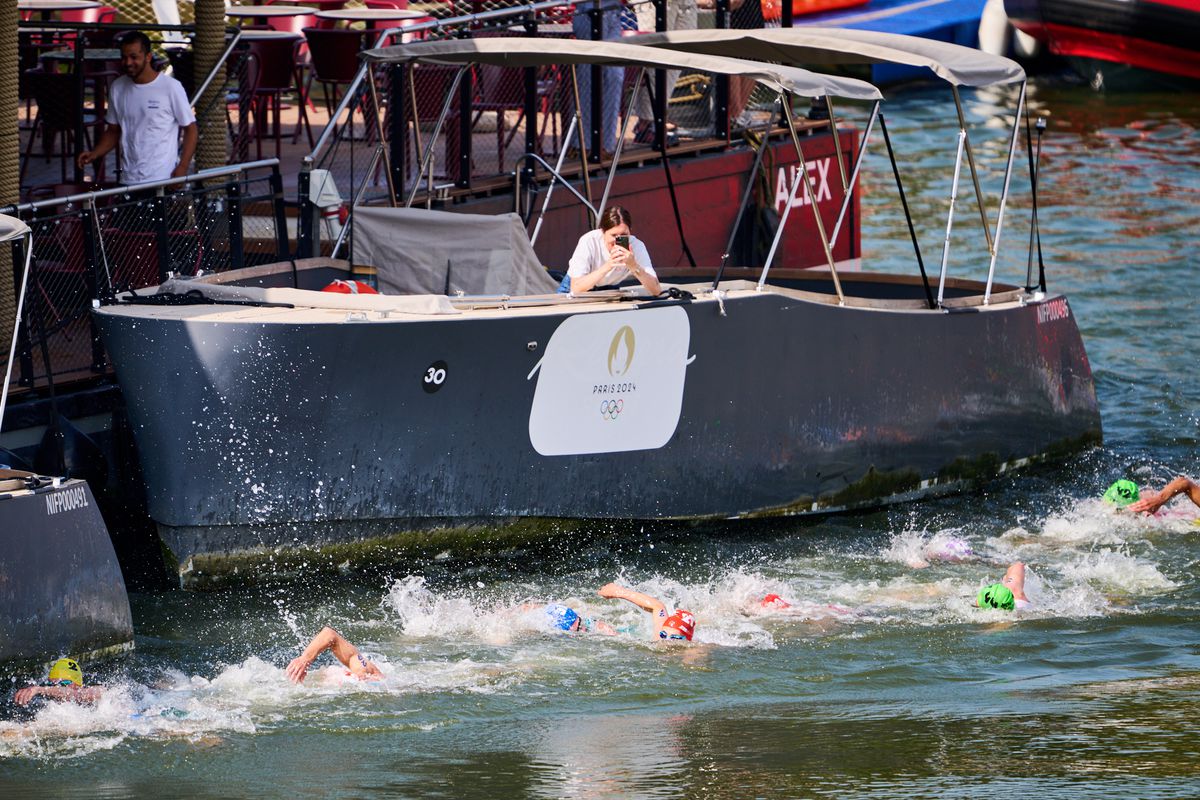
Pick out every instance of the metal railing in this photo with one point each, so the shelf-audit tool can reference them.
(88, 246)
(530, 111)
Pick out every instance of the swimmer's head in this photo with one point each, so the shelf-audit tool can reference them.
(561, 617)
(996, 596)
(66, 670)
(775, 601)
(949, 549)
(1122, 493)
(680, 625)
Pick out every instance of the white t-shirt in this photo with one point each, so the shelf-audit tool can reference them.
(150, 116)
(590, 256)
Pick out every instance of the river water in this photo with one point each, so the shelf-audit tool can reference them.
(881, 680)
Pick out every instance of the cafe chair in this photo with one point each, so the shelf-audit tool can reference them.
(58, 115)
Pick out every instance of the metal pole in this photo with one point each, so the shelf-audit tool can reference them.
(847, 190)
(764, 143)
(437, 130)
(562, 156)
(1012, 151)
(398, 133)
(962, 124)
(362, 187)
(195, 98)
(837, 141)
(912, 231)
(12, 348)
(962, 137)
(305, 230)
(583, 159)
(812, 200)
(801, 174)
(612, 167)
(387, 163)
(412, 90)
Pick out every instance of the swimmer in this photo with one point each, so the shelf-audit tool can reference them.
(1008, 595)
(1152, 502)
(676, 627)
(949, 549)
(1122, 494)
(568, 620)
(329, 639)
(809, 611)
(64, 683)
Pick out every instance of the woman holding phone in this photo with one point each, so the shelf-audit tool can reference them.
(608, 255)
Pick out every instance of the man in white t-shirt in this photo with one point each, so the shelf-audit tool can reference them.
(145, 113)
(608, 255)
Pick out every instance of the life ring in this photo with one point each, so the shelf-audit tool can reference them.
(350, 287)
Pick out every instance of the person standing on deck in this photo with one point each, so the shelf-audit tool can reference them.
(146, 112)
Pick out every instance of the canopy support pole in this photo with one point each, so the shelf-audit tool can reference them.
(427, 159)
(812, 202)
(583, 159)
(962, 137)
(760, 151)
(358, 196)
(12, 348)
(837, 142)
(912, 231)
(616, 157)
(387, 163)
(1035, 231)
(1012, 151)
(412, 92)
(558, 165)
(962, 125)
(848, 188)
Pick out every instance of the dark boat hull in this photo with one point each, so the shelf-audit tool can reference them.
(1144, 34)
(259, 436)
(61, 590)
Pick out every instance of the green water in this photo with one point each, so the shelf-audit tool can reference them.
(883, 681)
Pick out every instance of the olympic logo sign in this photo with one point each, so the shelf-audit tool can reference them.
(611, 409)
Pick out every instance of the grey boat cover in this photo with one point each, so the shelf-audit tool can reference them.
(417, 251)
(525, 51)
(961, 66)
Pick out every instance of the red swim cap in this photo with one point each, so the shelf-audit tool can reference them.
(774, 600)
(349, 287)
(682, 621)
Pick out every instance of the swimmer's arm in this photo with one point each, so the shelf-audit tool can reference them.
(642, 601)
(84, 695)
(1154, 502)
(327, 639)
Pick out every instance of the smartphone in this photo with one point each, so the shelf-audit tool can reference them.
(623, 241)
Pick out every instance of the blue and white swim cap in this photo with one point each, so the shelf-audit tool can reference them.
(561, 617)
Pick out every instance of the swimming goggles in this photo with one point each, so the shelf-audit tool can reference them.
(665, 635)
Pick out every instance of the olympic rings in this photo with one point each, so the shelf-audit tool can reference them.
(611, 409)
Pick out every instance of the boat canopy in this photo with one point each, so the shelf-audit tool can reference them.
(523, 51)
(961, 66)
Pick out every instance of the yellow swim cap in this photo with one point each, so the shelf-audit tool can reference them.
(67, 669)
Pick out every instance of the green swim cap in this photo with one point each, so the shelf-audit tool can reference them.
(1122, 493)
(996, 596)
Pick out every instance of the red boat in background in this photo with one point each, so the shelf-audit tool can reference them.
(1158, 35)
